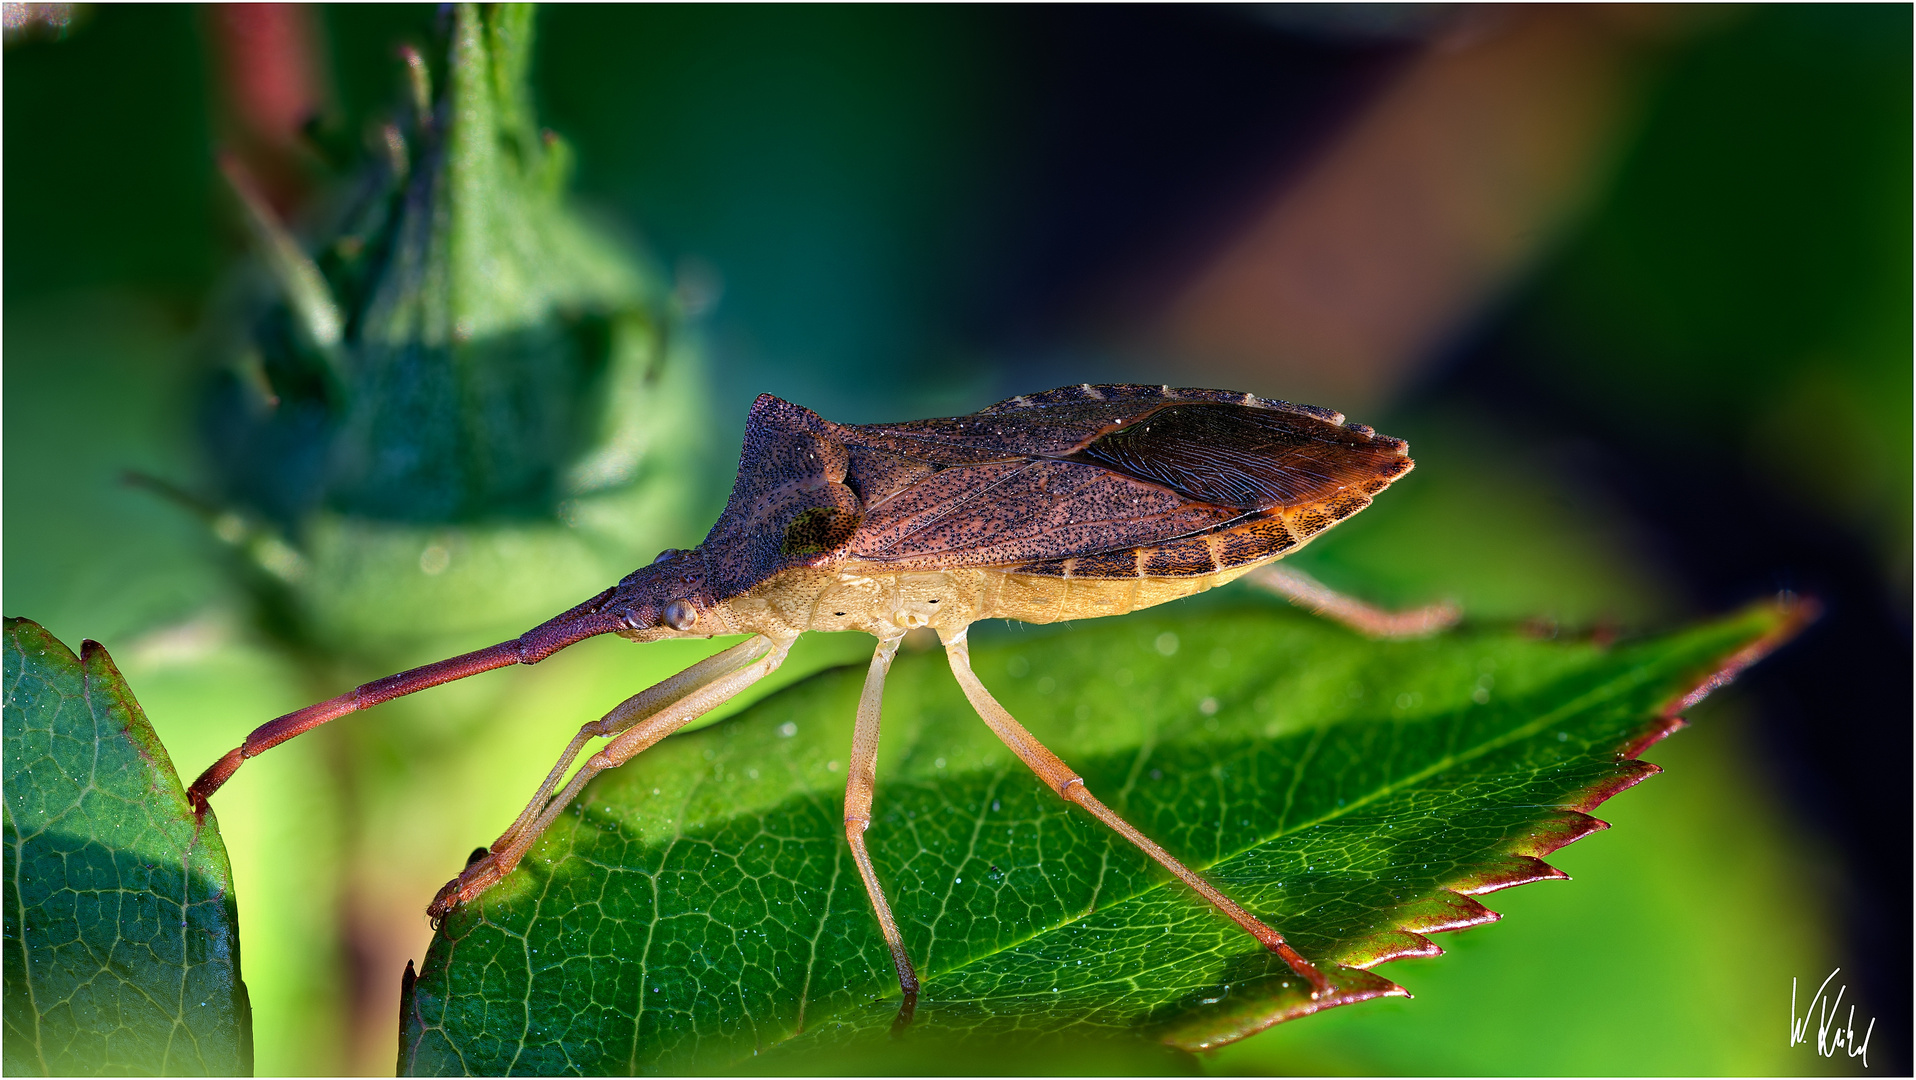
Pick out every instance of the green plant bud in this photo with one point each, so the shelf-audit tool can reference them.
(457, 374)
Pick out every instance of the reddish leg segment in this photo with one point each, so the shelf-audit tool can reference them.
(587, 620)
(1367, 619)
(1070, 786)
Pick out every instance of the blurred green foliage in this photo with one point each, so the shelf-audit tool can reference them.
(459, 345)
(452, 378)
(1746, 280)
(123, 193)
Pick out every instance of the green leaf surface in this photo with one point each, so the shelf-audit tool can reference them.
(699, 908)
(122, 943)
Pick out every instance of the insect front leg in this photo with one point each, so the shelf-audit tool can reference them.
(633, 710)
(1369, 620)
(1071, 787)
(638, 723)
(860, 781)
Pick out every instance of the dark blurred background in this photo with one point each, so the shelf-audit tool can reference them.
(1635, 283)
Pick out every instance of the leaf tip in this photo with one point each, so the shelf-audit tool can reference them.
(1789, 613)
(1283, 999)
(1507, 873)
(1381, 948)
(1625, 775)
(1660, 729)
(1443, 912)
(1557, 832)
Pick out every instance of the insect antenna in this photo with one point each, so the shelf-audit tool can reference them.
(589, 619)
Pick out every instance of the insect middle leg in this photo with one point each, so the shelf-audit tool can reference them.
(1071, 787)
(860, 781)
(636, 724)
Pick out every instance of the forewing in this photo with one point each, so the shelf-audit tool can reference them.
(1018, 511)
(1245, 456)
(1092, 469)
(1054, 423)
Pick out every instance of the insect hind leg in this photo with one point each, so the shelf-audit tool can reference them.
(1369, 620)
(1071, 787)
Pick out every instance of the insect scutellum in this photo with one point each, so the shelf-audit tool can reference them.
(1076, 503)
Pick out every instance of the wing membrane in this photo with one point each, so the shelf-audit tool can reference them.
(1089, 470)
(1241, 455)
(1010, 512)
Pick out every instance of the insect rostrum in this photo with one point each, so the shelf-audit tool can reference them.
(1070, 504)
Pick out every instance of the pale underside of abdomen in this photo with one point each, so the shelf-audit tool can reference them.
(1116, 582)
(882, 598)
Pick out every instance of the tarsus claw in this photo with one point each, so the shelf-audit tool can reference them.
(479, 875)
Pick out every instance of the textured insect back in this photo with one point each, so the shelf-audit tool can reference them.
(789, 507)
(1116, 481)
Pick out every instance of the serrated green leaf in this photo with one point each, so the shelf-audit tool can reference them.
(699, 908)
(122, 936)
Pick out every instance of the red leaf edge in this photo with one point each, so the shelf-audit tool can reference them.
(1523, 862)
(1452, 907)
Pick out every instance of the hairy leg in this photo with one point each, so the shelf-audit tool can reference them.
(1367, 619)
(1070, 786)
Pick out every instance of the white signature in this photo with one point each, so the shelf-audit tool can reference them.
(1829, 1037)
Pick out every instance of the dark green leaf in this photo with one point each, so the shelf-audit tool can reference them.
(122, 937)
(700, 908)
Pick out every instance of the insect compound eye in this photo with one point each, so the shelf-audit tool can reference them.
(680, 615)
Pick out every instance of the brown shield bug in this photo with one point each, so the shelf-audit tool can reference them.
(1075, 503)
